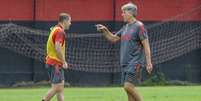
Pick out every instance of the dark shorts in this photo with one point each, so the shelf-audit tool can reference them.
(55, 75)
(131, 74)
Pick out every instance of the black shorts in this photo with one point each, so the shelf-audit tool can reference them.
(132, 74)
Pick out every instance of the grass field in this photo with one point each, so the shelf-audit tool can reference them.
(169, 93)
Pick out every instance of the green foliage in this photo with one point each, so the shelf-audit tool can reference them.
(158, 79)
(155, 79)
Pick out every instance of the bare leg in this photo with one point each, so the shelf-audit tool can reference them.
(130, 98)
(60, 96)
(55, 89)
(132, 92)
(60, 93)
(50, 94)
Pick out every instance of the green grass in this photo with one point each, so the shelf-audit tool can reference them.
(169, 93)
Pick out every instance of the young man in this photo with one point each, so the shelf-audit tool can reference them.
(134, 50)
(55, 59)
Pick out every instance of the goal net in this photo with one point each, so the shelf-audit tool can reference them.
(169, 39)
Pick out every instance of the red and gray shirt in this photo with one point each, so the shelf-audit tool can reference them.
(132, 50)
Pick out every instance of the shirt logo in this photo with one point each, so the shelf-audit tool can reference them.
(131, 30)
(126, 37)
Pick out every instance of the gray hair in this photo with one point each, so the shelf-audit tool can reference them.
(131, 8)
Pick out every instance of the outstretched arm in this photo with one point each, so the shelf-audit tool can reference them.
(111, 37)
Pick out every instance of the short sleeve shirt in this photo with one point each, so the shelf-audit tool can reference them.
(132, 51)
